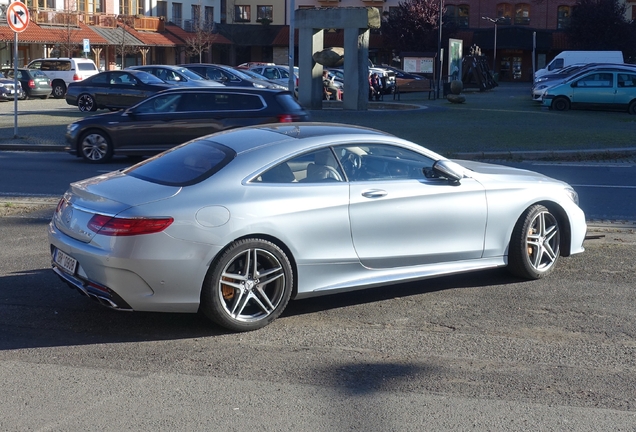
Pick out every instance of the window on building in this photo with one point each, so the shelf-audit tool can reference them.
(265, 13)
(209, 17)
(457, 15)
(162, 8)
(131, 7)
(196, 15)
(177, 14)
(563, 16)
(242, 13)
(522, 14)
(504, 10)
(86, 6)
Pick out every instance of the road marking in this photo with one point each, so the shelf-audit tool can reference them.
(605, 186)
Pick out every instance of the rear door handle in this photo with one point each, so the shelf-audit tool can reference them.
(374, 193)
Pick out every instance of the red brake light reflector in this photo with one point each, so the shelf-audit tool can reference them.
(114, 226)
(76, 77)
(285, 118)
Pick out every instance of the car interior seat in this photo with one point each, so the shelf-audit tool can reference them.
(324, 168)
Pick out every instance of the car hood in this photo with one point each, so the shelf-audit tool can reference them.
(108, 194)
(504, 172)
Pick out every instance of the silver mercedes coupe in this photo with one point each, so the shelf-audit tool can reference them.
(237, 223)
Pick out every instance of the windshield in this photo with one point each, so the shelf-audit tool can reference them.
(191, 75)
(253, 74)
(148, 78)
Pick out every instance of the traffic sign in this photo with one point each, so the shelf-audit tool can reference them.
(18, 16)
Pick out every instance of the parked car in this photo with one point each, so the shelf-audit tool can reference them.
(177, 75)
(8, 90)
(598, 89)
(277, 73)
(114, 90)
(236, 224)
(229, 76)
(408, 82)
(257, 76)
(570, 73)
(175, 116)
(35, 84)
(63, 71)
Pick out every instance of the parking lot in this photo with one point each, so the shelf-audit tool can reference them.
(479, 351)
(504, 120)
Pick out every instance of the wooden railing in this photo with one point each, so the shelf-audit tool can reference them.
(54, 17)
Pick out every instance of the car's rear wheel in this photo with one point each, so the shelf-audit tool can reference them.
(535, 244)
(632, 108)
(95, 147)
(561, 104)
(248, 286)
(86, 102)
(59, 89)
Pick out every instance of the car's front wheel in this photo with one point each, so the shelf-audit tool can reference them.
(535, 244)
(561, 104)
(248, 286)
(86, 102)
(96, 147)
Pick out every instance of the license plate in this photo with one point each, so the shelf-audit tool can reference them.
(68, 263)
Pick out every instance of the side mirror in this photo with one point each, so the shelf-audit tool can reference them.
(449, 169)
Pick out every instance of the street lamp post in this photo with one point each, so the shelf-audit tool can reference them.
(494, 53)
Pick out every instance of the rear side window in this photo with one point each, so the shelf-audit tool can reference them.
(38, 74)
(86, 66)
(184, 165)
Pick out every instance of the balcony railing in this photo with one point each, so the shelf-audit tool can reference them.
(52, 17)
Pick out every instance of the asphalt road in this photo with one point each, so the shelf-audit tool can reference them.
(482, 351)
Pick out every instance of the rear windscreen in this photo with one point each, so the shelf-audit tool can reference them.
(184, 165)
(288, 102)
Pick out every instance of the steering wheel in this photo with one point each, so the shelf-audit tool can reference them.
(351, 164)
(327, 172)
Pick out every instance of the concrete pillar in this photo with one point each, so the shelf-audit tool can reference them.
(356, 96)
(310, 40)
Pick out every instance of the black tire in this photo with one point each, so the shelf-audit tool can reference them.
(59, 89)
(535, 244)
(86, 102)
(248, 286)
(632, 108)
(561, 104)
(95, 146)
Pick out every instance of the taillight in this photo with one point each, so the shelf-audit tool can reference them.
(76, 77)
(285, 118)
(114, 226)
(31, 84)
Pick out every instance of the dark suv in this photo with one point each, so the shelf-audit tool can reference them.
(177, 115)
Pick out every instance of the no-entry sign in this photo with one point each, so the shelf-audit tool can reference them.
(17, 16)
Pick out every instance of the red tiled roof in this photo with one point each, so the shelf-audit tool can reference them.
(183, 35)
(155, 38)
(50, 34)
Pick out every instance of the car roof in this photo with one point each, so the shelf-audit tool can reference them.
(249, 138)
(224, 89)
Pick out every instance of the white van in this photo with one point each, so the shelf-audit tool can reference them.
(567, 58)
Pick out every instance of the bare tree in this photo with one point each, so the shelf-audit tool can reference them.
(201, 38)
(67, 35)
(124, 48)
